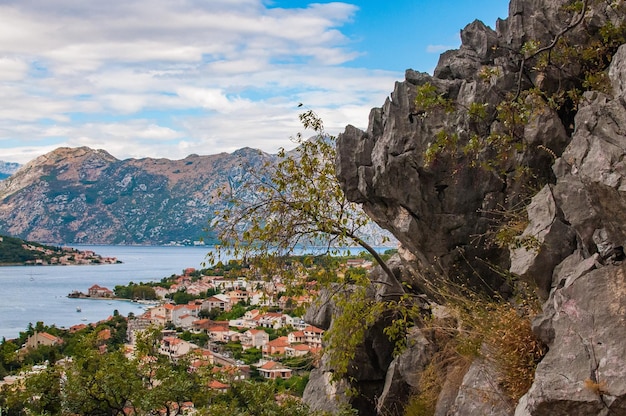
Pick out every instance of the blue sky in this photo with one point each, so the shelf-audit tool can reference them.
(158, 78)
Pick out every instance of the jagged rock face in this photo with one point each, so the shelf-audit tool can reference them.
(439, 209)
(584, 373)
(583, 321)
(87, 196)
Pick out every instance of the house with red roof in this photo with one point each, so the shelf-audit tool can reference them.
(175, 348)
(164, 311)
(190, 311)
(221, 333)
(275, 347)
(297, 350)
(200, 325)
(313, 336)
(296, 337)
(186, 321)
(218, 386)
(201, 358)
(78, 327)
(221, 302)
(42, 338)
(272, 370)
(96, 291)
(274, 320)
(237, 296)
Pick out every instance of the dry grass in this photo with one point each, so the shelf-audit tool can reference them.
(597, 387)
(491, 328)
(447, 365)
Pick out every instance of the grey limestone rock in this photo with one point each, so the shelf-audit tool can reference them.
(404, 373)
(584, 320)
(440, 210)
(479, 393)
(323, 394)
(584, 372)
(544, 244)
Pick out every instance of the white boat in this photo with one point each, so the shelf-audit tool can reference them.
(78, 309)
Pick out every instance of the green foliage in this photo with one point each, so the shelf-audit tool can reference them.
(135, 291)
(427, 99)
(356, 312)
(181, 297)
(477, 111)
(8, 357)
(296, 384)
(530, 48)
(255, 399)
(237, 311)
(13, 251)
(296, 203)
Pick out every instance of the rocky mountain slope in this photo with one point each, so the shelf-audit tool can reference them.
(519, 132)
(81, 195)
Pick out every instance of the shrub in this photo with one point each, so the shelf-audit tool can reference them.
(492, 328)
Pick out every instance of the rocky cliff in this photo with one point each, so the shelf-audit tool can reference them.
(82, 195)
(521, 131)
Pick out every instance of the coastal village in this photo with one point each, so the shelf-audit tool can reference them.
(271, 328)
(17, 251)
(71, 257)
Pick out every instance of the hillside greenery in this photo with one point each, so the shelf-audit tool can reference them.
(17, 251)
(101, 379)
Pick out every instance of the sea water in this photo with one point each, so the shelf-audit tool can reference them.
(29, 294)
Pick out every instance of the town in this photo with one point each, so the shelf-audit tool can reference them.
(242, 328)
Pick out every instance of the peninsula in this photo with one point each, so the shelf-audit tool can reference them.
(15, 251)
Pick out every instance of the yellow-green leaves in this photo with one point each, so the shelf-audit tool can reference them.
(428, 98)
(293, 203)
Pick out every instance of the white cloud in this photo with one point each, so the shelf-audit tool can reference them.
(12, 69)
(160, 78)
(213, 99)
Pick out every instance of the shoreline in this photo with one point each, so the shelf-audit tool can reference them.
(81, 295)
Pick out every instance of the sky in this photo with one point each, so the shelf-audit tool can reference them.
(169, 78)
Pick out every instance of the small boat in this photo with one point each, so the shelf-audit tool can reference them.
(78, 309)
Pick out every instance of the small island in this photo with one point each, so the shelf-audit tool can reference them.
(15, 251)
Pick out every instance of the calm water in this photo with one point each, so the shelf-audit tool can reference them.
(39, 293)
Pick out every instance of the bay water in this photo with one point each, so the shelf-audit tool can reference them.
(29, 294)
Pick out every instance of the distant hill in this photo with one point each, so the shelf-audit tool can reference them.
(82, 195)
(7, 169)
(17, 251)
(87, 196)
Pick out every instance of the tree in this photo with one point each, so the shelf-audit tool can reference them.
(101, 384)
(292, 204)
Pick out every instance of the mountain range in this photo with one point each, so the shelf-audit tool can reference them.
(87, 196)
